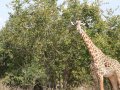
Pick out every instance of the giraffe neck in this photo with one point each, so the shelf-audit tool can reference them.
(93, 50)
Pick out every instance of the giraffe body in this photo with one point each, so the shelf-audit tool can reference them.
(109, 69)
(105, 65)
(102, 65)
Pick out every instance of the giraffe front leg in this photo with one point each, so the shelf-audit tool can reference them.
(101, 82)
(118, 77)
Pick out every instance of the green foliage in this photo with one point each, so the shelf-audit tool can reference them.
(38, 42)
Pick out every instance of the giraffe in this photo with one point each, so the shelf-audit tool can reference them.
(102, 65)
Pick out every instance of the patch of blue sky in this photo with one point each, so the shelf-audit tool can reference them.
(114, 4)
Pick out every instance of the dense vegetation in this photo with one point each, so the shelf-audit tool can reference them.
(39, 43)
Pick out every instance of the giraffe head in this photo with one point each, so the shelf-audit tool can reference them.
(78, 25)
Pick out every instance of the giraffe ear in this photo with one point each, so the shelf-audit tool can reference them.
(72, 23)
(82, 23)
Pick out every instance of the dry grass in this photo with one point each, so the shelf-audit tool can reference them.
(3, 87)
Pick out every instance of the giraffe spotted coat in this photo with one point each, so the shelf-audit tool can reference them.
(102, 65)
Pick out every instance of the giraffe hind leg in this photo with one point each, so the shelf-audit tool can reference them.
(118, 77)
(113, 80)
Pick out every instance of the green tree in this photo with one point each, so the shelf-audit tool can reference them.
(38, 42)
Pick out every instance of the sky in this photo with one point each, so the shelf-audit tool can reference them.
(4, 10)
